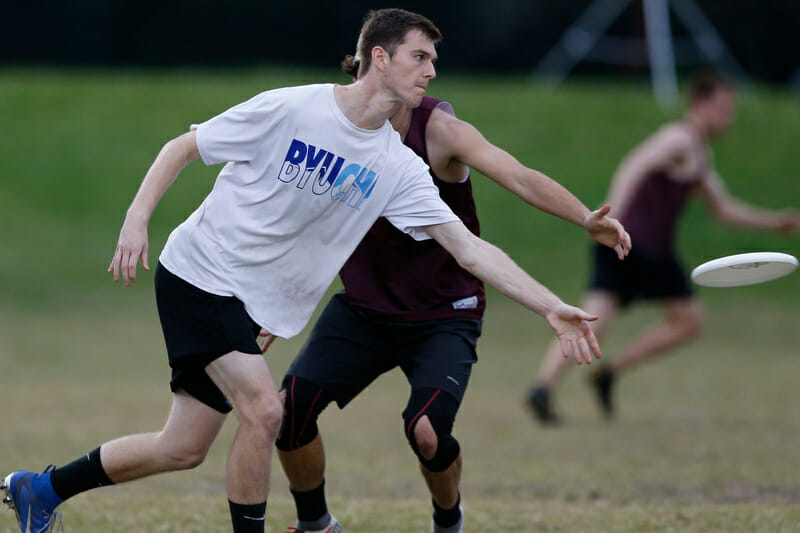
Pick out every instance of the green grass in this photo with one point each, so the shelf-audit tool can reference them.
(706, 440)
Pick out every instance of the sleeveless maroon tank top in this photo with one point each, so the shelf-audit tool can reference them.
(392, 276)
(653, 211)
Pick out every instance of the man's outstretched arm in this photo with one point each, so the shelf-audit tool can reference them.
(467, 145)
(491, 265)
(736, 212)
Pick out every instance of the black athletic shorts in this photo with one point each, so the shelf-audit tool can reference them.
(348, 349)
(200, 327)
(641, 275)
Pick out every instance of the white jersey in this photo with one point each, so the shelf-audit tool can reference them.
(301, 187)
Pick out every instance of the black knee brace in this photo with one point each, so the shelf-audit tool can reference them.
(303, 403)
(440, 407)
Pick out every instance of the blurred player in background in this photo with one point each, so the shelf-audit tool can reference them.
(410, 304)
(309, 170)
(648, 195)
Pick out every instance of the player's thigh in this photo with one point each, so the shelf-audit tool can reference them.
(441, 356)
(191, 423)
(246, 382)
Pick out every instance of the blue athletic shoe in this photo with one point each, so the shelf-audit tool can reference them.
(31, 496)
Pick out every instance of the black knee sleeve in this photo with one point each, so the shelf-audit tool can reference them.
(440, 407)
(303, 403)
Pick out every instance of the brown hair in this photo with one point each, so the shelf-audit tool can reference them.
(705, 83)
(386, 28)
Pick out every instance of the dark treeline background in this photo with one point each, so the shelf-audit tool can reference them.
(495, 35)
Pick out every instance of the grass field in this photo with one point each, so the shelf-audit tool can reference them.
(706, 439)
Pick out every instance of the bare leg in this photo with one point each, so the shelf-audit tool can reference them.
(601, 303)
(183, 443)
(305, 466)
(305, 470)
(443, 485)
(247, 383)
(683, 321)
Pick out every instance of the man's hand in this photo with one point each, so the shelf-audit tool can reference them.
(608, 231)
(571, 326)
(789, 221)
(264, 339)
(131, 247)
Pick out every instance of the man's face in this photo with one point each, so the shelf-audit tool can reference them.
(719, 110)
(411, 68)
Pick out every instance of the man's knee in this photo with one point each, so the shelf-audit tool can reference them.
(262, 411)
(182, 455)
(429, 420)
(425, 437)
(302, 404)
(689, 321)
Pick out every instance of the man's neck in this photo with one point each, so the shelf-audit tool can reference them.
(363, 105)
(400, 120)
(698, 125)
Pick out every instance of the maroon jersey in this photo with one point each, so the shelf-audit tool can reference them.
(653, 211)
(392, 276)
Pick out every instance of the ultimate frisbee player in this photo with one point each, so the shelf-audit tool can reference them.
(309, 170)
(648, 194)
(409, 304)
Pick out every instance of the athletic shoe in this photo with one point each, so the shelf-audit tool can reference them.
(24, 494)
(602, 380)
(456, 528)
(539, 403)
(332, 527)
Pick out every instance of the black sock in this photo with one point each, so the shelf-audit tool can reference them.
(248, 518)
(447, 517)
(311, 505)
(80, 475)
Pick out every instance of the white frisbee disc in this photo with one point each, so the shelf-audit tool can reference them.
(744, 269)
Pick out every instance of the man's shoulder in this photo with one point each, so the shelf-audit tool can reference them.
(677, 131)
(298, 94)
(673, 137)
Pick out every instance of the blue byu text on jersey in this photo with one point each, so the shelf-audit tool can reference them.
(350, 185)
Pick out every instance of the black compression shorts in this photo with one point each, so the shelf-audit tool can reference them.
(347, 350)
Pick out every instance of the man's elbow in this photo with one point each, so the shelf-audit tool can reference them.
(472, 254)
(182, 148)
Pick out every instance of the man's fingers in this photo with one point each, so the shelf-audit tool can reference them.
(574, 350)
(123, 266)
(114, 266)
(129, 260)
(587, 356)
(566, 349)
(595, 346)
(265, 338)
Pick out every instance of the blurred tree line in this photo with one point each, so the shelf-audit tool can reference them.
(488, 35)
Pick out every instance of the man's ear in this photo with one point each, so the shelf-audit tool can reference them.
(380, 58)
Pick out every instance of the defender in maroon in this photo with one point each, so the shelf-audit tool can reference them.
(409, 304)
(393, 277)
(649, 192)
